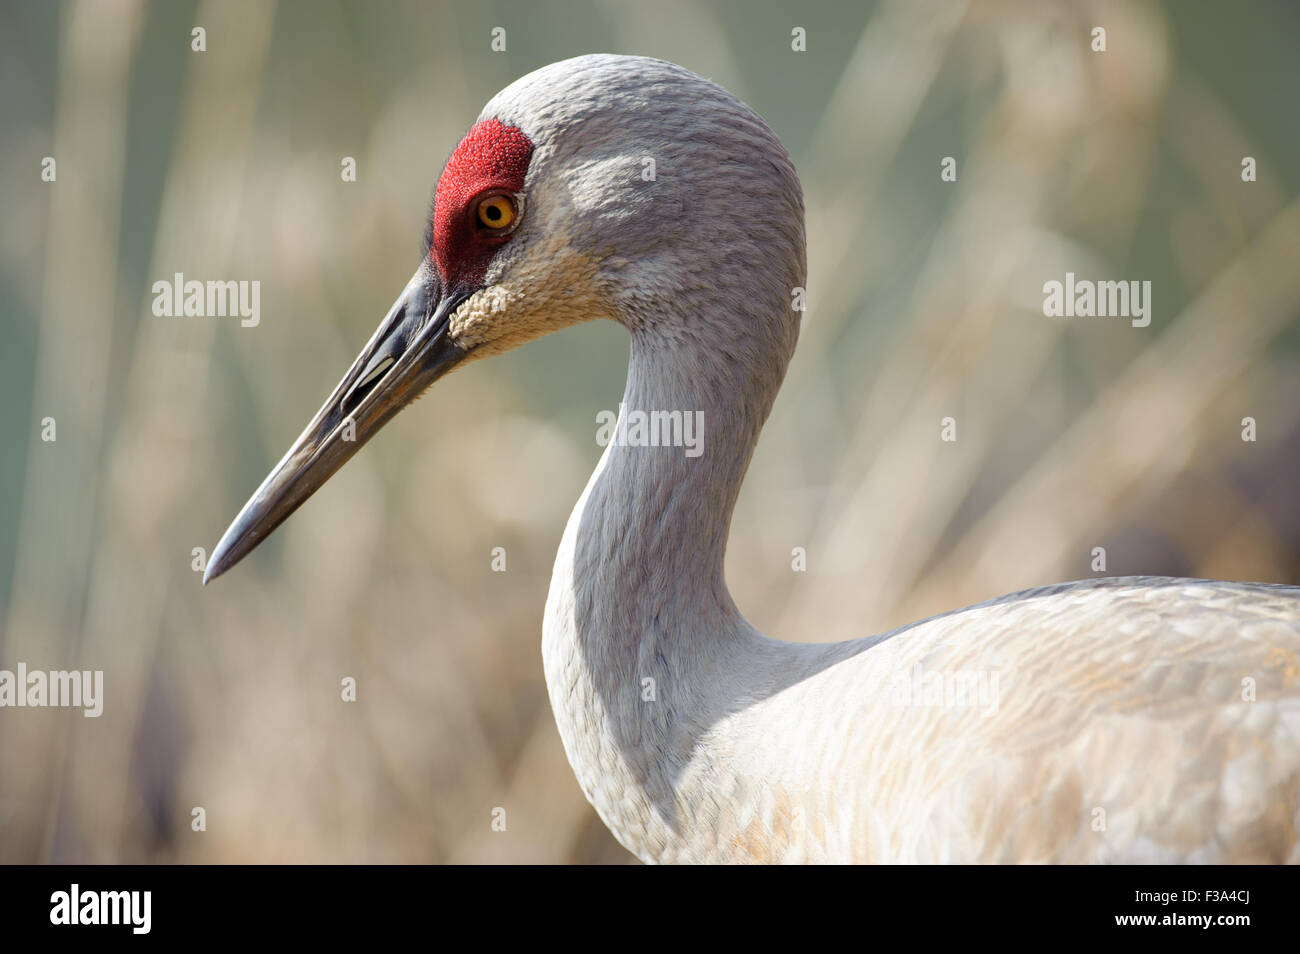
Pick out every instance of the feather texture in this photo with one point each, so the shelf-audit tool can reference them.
(1132, 719)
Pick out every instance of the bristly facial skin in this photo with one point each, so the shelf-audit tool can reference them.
(491, 160)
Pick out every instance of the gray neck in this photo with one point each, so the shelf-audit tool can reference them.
(638, 591)
(654, 523)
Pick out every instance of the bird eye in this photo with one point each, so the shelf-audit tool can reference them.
(496, 212)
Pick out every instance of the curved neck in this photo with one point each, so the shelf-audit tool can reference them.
(669, 507)
(654, 521)
(641, 638)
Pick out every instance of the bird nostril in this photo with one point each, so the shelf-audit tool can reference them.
(363, 388)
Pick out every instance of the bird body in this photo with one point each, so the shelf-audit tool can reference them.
(1130, 719)
(1099, 721)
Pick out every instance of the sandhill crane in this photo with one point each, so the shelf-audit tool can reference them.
(1124, 719)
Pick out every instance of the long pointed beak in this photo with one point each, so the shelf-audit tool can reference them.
(408, 352)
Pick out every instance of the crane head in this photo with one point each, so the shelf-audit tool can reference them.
(598, 187)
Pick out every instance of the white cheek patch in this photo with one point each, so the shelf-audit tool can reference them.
(551, 287)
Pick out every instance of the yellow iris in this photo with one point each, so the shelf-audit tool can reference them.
(496, 212)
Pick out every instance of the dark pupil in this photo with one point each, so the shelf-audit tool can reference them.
(493, 212)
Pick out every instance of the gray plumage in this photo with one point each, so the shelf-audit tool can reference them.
(1121, 732)
(1136, 719)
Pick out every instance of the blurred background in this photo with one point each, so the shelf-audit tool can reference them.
(925, 302)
